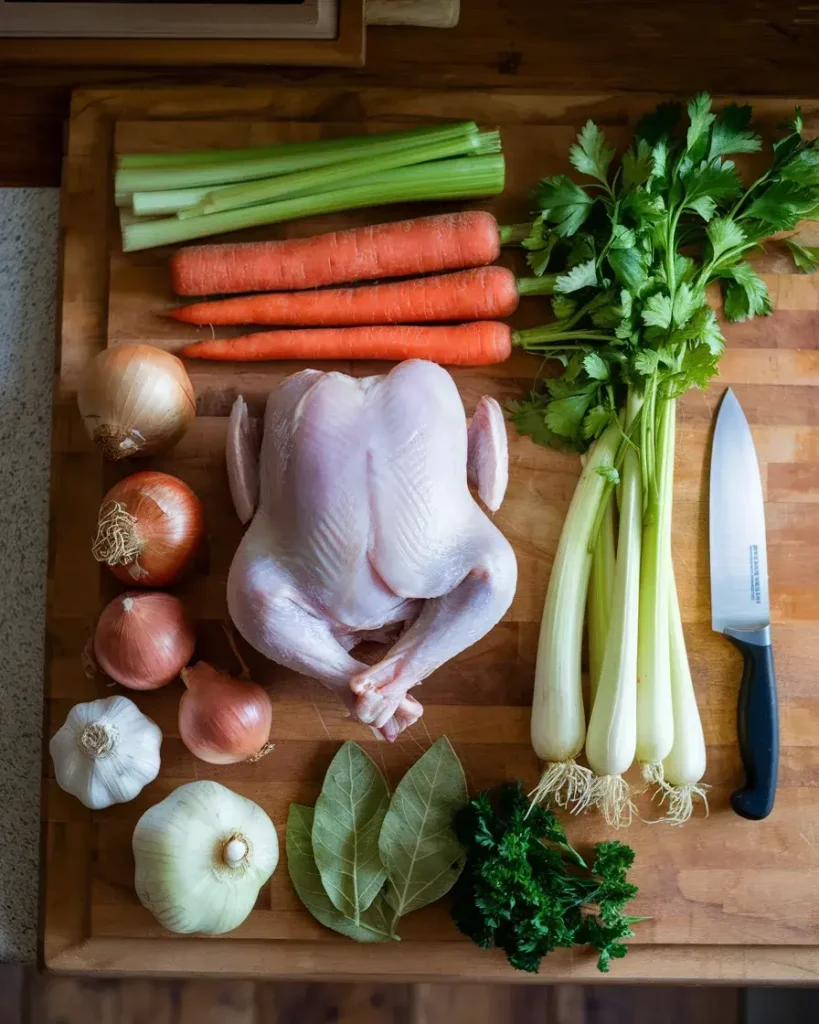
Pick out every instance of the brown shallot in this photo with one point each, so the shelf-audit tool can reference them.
(143, 639)
(223, 720)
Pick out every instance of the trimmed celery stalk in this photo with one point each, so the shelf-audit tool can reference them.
(153, 204)
(283, 161)
(463, 178)
(199, 157)
(351, 172)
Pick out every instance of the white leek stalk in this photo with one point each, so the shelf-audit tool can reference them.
(558, 717)
(685, 765)
(601, 591)
(612, 736)
(655, 720)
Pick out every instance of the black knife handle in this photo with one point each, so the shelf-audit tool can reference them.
(757, 724)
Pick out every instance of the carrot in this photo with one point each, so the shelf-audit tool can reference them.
(475, 344)
(480, 294)
(448, 241)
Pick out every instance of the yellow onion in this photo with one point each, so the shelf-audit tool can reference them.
(143, 639)
(223, 720)
(149, 529)
(135, 400)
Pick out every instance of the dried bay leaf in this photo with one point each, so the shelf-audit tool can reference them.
(418, 847)
(373, 924)
(347, 821)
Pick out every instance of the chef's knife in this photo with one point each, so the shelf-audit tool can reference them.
(740, 606)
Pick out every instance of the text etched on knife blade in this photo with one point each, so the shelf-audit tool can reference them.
(756, 586)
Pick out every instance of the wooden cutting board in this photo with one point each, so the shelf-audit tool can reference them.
(725, 898)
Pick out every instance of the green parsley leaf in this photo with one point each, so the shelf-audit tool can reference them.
(705, 206)
(565, 415)
(747, 294)
(529, 418)
(724, 234)
(596, 421)
(803, 168)
(686, 302)
(710, 334)
(699, 366)
(701, 118)
(637, 164)
(657, 311)
(782, 205)
(805, 257)
(646, 361)
(590, 155)
(622, 237)
(564, 204)
(659, 164)
(730, 133)
(629, 268)
(610, 474)
(596, 366)
(584, 275)
(643, 206)
(716, 179)
(563, 307)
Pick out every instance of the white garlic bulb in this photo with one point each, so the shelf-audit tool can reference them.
(106, 752)
(201, 856)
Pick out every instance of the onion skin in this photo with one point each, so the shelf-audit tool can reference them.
(223, 720)
(143, 639)
(168, 531)
(135, 400)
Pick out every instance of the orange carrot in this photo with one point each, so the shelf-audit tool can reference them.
(480, 294)
(475, 344)
(448, 241)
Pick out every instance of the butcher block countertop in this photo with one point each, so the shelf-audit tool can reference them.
(725, 899)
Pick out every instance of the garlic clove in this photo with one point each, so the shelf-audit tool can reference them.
(106, 752)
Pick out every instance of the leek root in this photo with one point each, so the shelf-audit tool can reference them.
(655, 719)
(601, 591)
(685, 765)
(612, 737)
(558, 717)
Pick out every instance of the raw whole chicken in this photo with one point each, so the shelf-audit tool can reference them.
(363, 521)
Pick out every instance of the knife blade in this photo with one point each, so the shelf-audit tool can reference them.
(740, 602)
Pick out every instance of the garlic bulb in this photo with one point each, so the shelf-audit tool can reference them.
(106, 752)
(201, 856)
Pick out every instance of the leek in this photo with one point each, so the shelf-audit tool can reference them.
(352, 172)
(269, 161)
(558, 720)
(462, 178)
(601, 589)
(655, 718)
(612, 736)
(685, 765)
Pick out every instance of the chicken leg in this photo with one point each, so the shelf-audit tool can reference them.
(446, 626)
(272, 616)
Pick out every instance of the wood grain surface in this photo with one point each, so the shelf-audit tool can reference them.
(725, 898)
(588, 46)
